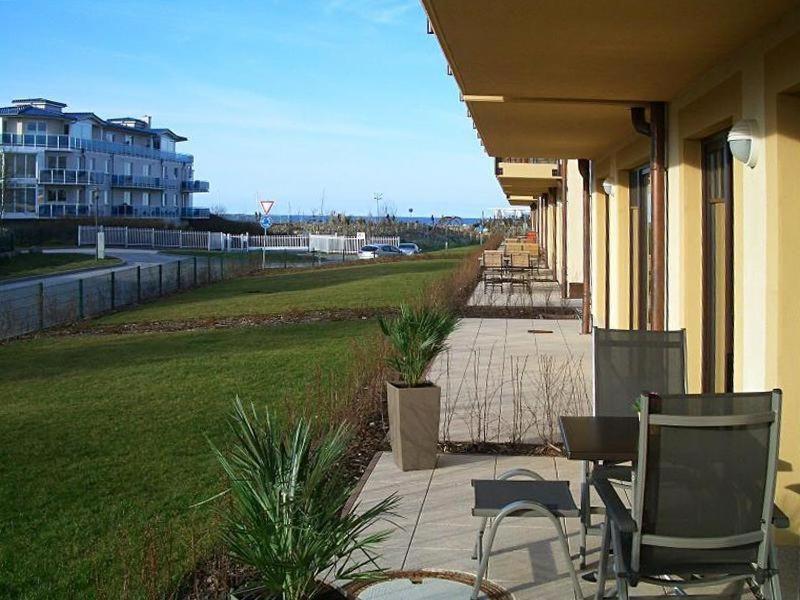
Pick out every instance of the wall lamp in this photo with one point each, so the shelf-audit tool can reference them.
(743, 139)
(608, 187)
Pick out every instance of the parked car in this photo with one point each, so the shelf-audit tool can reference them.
(409, 248)
(379, 251)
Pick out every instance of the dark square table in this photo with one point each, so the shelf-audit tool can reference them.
(595, 439)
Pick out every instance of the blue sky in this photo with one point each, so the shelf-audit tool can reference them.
(281, 98)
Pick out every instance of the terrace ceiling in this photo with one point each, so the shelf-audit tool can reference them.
(556, 77)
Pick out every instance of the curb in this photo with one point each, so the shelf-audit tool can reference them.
(59, 273)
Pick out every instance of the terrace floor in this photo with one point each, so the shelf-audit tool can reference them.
(437, 531)
(499, 374)
(541, 294)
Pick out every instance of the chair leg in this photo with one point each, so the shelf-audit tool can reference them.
(586, 511)
(484, 561)
(477, 553)
(773, 583)
(603, 565)
(541, 511)
(619, 566)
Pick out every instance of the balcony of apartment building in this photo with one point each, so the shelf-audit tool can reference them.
(195, 186)
(59, 210)
(72, 177)
(527, 176)
(65, 142)
(140, 182)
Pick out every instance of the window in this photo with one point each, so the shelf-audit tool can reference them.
(109, 136)
(108, 166)
(128, 168)
(174, 199)
(105, 196)
(126, 198)
(163, 199)
(91, 164)
(175, 170)
(146, 170)
(56, 161)
(128, 140)
(20, 165)
(56, 195)
(145, 198)
(36, 127)
(164, 171)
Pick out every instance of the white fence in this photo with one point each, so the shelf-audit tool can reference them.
(132, 237)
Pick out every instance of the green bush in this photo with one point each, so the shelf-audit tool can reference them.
(417, 335)
(6, 240)
(286, 519)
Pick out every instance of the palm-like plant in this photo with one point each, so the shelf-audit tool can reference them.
(286, 518)
(417, 336)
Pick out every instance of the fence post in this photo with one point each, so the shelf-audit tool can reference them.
(179, 274)
(126, 237)
(160, 279)
(209, 241)
(180, 239)
(195, 270)
(153, 237)
(41, 304)
(138, 283)
(113, 290)
(80, 298)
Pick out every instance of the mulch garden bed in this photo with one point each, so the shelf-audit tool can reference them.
(287, 318)
(519, 312)
(501, 449)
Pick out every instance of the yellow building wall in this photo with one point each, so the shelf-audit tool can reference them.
(760, 81)
(574, 223)
(757, 82)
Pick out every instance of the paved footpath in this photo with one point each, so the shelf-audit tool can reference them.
(132, 258)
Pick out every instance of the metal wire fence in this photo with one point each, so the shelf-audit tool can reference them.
(30, 308)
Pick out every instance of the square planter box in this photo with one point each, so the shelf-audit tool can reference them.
(413, 425)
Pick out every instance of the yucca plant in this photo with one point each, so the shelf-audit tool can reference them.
(285, 517)
(417, 335)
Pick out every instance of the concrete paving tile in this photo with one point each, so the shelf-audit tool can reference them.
(458, 537)
(441, 559)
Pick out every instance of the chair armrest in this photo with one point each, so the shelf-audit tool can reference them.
(617, 472)
(615, 509)
(779, 518)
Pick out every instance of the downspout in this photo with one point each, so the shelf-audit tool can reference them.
(584, 166)
(564, 282)
(656, 131)
(546, 231)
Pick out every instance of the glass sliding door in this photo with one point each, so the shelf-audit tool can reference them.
(717, 265)
(640, 291)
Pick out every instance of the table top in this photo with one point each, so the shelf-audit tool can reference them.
(600, 438)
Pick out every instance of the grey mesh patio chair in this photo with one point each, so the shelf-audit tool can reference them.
(501, 498)
(702, 504)
(625, 364)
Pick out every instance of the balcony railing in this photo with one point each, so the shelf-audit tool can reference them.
(65, 142)
(134, 181)
(72, 177)
(194, 186)
(57, 210)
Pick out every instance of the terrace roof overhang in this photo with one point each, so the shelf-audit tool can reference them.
(515, 200)
(558, 77)
(520, 186)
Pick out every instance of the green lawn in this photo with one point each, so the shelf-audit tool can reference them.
(380, 284)
(104, 436)
(28, 265)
